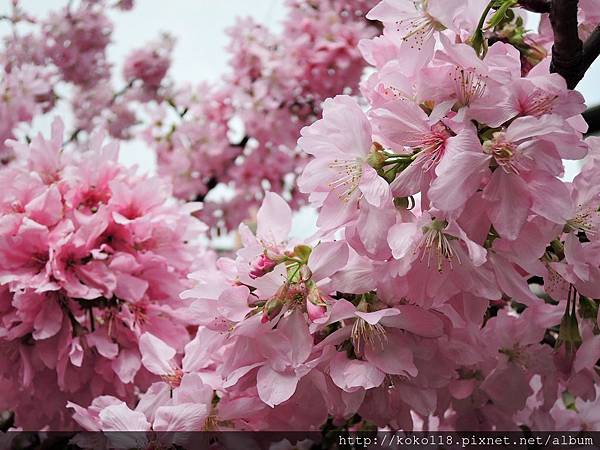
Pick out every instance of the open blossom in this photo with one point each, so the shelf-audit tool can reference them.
(412, 26)
(90, 262)
(525, 160)
(340, 174)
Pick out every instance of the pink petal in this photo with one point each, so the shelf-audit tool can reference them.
(375, 317)
(459, 173)
(392, 356)
(182, 417)
(327, 258)
(156, 355)
(401, 238)
(126, 365)
(121, 418)
(510, 281)
(416, 320)
(130, 288)
(193, 390)
(49, 320)
(275, 387)
(588, 354)
(274, 219)
(84, 418)
(551, 198)
(353, 374)
(374, 188)
(105, 346)
(295, 328)
(461, 389)
(233, 303)
(511, 203)
(409, 181)
(46, 208)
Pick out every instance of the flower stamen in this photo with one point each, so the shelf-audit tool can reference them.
(349, 174)
(437, 244)
(365, 333)
(469, 85)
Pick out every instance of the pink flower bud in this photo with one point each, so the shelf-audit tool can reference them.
(315, 305)
(261, 266)
(315, 311)
(272, 308)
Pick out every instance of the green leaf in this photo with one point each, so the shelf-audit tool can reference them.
(502, 13)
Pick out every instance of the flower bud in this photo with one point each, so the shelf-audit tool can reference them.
(302, 252)
(261, 266)
(272, 308)
(316, 307)
(376, 158)
(568, 332)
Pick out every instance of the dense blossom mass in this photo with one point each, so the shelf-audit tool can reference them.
(89, 262)
(239, 133)
(453, 282)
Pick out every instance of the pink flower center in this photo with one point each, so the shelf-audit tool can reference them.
(584, 219)
(436, 244)
(92, 198)
(173, 379)
(348, 175)
(418, 29)
(433, 146)
(504, 152)
(538, 103)
(469, 85)
(140, 315)
(363, 333)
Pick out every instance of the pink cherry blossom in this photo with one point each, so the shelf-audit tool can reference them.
(90, 263)
(453, 279)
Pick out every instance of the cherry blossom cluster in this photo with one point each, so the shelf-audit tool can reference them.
(92, 257)
(276, 85)
(89, 262)
(454, 280)
(55, 60)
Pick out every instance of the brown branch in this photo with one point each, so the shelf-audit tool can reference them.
(591, 48)
(567, 51)
(592, 117)
(536, 6)
(571, 58)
